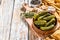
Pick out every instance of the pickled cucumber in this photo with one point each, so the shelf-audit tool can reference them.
(49, 17)
(51, 21)
(40, 22)
(42, 13)
(47, 28)
(41, 17)
(35, 16)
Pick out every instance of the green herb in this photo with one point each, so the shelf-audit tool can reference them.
(29, 15)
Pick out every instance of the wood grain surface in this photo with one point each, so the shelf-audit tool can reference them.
(12, 27)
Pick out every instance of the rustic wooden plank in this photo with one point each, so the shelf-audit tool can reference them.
(7, 8)
(19, 30)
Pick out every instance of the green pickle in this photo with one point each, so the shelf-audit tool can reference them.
(51, 21)
(42, 13)
(41, 17)
(49, 17)
(47, 28)
(40, 22)
(35, 16)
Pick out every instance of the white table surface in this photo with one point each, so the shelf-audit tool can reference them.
(11, 26)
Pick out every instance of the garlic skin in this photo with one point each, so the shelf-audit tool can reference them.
(51, 9)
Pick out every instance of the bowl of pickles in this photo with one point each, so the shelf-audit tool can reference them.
(44, 23)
